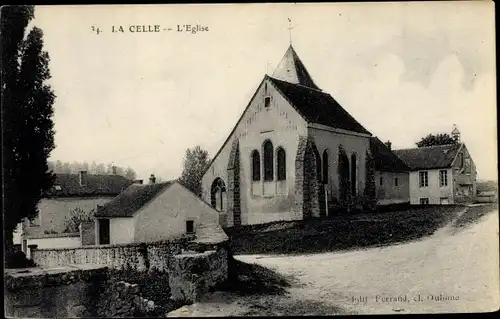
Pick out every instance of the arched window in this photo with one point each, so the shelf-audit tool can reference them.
(353, 174)
(281, 159)
(268, 161)
(218, 194)
(325, 167)
(255, 165)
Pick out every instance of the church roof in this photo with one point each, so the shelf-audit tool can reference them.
(430, 157)
(317, 107)
(385, 159)
(292, 70)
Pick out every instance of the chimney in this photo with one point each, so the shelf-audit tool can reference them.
(152, 179)
(114, 170)
(388, 144)
(138, 181)
(82, 178)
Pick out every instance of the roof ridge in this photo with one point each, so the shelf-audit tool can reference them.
(423, 147)
(301, 85)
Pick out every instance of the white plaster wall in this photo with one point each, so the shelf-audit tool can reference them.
(433, 191)
(121, 230)
(16, 236)
(327, 140)
(166, 215)
(282, 125)
(389, 193)
(54, 242)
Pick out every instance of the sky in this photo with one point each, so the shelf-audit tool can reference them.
(140, 99)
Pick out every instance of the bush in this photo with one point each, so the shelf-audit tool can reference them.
(77, 216)
(17, 259)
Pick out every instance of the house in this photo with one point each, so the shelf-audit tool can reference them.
(152, 212)
(287, 153)
(392, 177)
(70, 191)
(443, 174)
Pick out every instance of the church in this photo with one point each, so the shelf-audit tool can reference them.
(295, 153)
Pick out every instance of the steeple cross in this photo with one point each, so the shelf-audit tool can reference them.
(290, 27)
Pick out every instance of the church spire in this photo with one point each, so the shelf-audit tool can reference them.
(292, 70)
(290, 27)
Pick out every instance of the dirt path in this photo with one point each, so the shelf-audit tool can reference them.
(443, 273)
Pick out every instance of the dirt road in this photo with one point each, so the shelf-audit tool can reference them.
(447, 272)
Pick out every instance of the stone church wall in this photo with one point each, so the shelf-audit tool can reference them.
(330, 141)
(279, 123)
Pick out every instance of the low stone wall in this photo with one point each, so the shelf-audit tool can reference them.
(52, 293)
(121, 299)
(139, 256)
(193, 274)
(193, 264)
(79, 291)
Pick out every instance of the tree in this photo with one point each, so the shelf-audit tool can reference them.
(100, 169)
(196, 162)
(75, 167)
(76, 217)
(437, 139)
(93, 168)
(130, 173)
(58, 167)
(26, 118)
(51, 166)
(66, 168)
(85, 166)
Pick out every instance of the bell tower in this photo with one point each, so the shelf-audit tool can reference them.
(455, 134)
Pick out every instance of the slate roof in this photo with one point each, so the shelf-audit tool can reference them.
(317, 107)
(131, 200)
(292, 70)
(385, 159)
(432, 157)
(68, 185)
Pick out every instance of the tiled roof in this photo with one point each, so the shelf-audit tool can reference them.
(131, 200)
(431, 157)
(68, 185)
(292, 70)
(385, 159)
(318, 107)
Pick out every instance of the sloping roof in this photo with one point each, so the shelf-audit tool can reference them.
(131, 200)
(317, 107)
(292, 70)
(432, 157)
(68, 185)
(385, 159)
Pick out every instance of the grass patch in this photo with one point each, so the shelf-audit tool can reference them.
(341, 232)
(292, 307)
(252, 279)
(473, 215)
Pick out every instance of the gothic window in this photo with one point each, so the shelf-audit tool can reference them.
(268, 161)
(325, 167)
(281, 159)
(255, 165)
